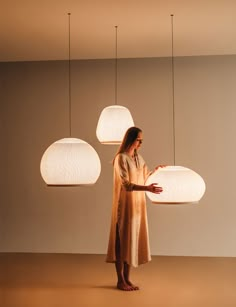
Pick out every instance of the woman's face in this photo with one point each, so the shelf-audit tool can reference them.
(138, 142)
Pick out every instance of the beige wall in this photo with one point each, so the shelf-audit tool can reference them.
(34, 113)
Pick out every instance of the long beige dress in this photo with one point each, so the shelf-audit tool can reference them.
(129, 214)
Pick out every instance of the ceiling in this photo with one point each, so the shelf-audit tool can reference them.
(33, 30)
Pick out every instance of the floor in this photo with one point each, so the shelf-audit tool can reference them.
(58, 280)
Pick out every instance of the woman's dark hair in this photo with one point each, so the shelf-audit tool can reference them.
(129, 138)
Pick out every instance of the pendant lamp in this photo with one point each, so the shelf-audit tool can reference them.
(70, 161)
(180, 185)
(115, 119)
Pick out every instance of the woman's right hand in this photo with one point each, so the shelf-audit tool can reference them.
(154, 188)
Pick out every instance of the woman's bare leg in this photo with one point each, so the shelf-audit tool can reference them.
(127, 276)
(121, 283)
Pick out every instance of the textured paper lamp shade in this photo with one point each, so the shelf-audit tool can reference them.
(70, 162)
(113, 123)
(180, 185)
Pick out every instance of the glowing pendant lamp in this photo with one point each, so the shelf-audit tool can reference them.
(180, 185)
(114, 120)
(70, 161)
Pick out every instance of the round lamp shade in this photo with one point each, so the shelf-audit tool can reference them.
(113, 123)
(180, 185)
(70, 162)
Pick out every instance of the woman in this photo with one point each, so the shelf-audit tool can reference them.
(129, 242)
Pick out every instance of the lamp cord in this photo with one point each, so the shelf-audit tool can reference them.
(69, 69)
(173, 80)
(116, 66)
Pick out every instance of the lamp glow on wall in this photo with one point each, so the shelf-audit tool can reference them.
(180, 185)
(114, 120)
(70, 161)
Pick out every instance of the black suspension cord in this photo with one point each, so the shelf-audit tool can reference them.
(173, 80)
(69, 68)
(116, 68)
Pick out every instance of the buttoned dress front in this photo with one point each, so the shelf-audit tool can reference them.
(129, 215)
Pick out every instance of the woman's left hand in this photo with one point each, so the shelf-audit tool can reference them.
(159, 166)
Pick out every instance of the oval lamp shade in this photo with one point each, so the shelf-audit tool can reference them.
(113, 123)
(180, 185)
(70, 162)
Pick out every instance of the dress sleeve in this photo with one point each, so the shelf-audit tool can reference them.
(145, 168)
(146, 172)
(124, 173)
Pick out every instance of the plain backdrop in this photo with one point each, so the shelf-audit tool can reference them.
(34, 113)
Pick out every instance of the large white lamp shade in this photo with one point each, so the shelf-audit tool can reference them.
(70, 162)
(113, 123)
(180, 185)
